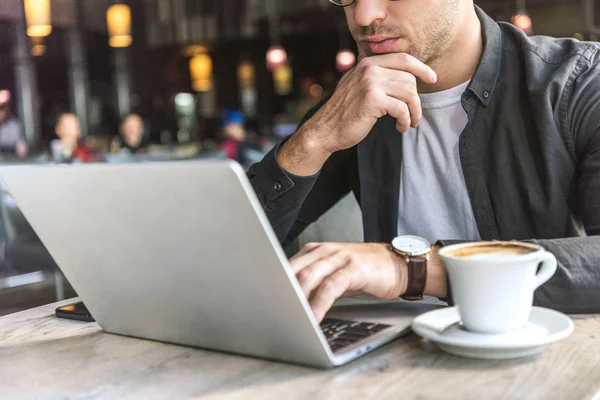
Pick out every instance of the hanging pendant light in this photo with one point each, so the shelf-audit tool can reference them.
(118, 21)
(201, 69)
(521, 19)
(282, 80)
(246, 74)
(38, 46)
(276, 57)
(345, 60)
(247, 84)
(37, 14)
(276, 54)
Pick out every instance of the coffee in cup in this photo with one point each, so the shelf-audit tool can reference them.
(493, 283)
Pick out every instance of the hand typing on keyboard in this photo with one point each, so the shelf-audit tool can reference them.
(330, 271)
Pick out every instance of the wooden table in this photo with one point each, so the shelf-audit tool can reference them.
(42, 357)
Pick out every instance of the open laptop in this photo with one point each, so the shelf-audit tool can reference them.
(183, 253)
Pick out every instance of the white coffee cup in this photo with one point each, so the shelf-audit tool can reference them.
(493, 282)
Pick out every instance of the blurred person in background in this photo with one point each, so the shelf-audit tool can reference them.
(11, 138)
(68, 148)
(132, 138)
(238, 145)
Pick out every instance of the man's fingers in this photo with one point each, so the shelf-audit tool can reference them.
(333, 288)
(409, 96)
(399, 110)
(312, 276)
(403, 86)
(312, 254)
(403, 62)
(305, 250)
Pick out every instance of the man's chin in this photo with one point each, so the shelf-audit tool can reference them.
(403, 50)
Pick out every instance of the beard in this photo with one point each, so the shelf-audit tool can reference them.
(427, 42)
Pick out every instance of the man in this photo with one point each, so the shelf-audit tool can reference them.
(500, 140)
(131, 136)
(67, 148)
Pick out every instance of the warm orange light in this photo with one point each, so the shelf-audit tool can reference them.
(246, 74)
(118, 21)
(276, 57)
(523, 22)
(37, 14)
(38, 50)
(316, 90)
(282, 80)
(38, 46)
(201, 67)
(345, 60)
(193, 49)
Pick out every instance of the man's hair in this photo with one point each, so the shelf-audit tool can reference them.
(61, 114)
(131, 115)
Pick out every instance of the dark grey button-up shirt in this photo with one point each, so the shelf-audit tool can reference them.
(530, 155)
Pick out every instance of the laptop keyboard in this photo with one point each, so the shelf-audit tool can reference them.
(341, 333)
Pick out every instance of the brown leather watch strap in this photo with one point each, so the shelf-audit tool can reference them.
(417, 278)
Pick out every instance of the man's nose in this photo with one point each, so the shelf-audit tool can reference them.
(368, 11)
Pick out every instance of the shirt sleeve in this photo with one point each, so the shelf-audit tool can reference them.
(292, 202)
(575, 288)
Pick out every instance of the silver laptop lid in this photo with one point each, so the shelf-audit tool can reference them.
(176, 252)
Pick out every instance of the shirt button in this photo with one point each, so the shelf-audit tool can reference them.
(277, 186)
(486, 94)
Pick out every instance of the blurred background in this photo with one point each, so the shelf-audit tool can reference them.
(165, 80)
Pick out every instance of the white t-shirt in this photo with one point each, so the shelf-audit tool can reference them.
(434, 202)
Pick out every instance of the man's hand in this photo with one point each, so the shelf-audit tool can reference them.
(378, 86)
(330, 271)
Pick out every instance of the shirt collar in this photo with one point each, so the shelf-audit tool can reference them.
(484, 81)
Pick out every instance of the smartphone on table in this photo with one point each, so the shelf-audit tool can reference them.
(77, 311)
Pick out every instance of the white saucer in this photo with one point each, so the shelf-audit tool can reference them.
(443, 327)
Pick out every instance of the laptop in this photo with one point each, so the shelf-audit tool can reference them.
(183, 253)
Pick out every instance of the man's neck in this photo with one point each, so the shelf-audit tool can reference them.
(461, 59)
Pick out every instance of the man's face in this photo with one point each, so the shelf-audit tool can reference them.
(424, 29)
(132, 130)
(235, 132)
(67, 128)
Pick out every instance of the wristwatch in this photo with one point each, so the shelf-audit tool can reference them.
(415, 250)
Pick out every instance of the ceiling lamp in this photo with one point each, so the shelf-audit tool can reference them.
(345, 60)
(521, 19)
(193, 49)
(38, 46)
(37, 14)
(118, 21)
(276, 57)
(201, 69)
(282, 80)
(246, 74)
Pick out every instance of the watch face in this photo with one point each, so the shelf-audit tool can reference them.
(412, 245)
